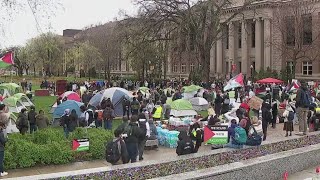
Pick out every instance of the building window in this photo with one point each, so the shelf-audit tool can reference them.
(175, 68)
(239, 35)
(307, 68)
(240, 68)
(227, 36)
(290, 31)
(289, 66)
(227, 67)
(253, 38)
(192, 67)
(183, 68)
(307, 29)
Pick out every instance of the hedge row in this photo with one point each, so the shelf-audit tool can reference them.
(49, 146)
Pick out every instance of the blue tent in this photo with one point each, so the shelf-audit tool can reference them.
(70, 104)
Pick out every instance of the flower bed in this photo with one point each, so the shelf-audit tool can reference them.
(195, 163)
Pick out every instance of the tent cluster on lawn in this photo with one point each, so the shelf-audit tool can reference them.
(13, 97)
(190, 91)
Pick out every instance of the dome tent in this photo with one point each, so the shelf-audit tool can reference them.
(12, 88)
(199, 104)
(182, 107)
(24, 99)
(14, 104)
(116, 95)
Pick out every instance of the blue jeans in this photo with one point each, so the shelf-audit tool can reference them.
(108, 124)
(132, 149)
(98, 123)
(235, 146)
(1, 161)
(66, 132)
(33, 128)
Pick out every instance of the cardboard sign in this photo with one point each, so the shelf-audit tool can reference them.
(80, 145)
(255, 103)
(216, 135)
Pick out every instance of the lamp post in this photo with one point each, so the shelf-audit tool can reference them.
(251, 71)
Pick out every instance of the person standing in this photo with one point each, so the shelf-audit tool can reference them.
(274, 113)
(218, 103)
(157, 112)
(41, 121)
(145, 128)
(266, 117)
(132, 133)
(126, 107)
(65, 122)
(135, 106)
(108, 115)
(4, 117)
(23, 124)
(32, 119)
(303, 102)
(84, 117)
(3, 140)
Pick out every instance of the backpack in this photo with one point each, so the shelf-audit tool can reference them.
(305, 99)
(128, 130)
(143, 126)
(90, 120)
(113, 154)
(240, 135)
(291, 116)
(255, 139)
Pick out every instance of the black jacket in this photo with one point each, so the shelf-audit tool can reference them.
(23, 121)
(135, 133)
(185, 147)
(3, 140)
(32, 117)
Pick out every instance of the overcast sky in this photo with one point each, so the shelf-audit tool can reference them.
(73, 14)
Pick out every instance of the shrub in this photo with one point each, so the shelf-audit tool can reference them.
(49, 146)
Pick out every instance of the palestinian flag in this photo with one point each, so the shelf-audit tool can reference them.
(6, 60)
(235, 82)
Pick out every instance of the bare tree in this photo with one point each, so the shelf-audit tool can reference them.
(197, 20)
(298, 32)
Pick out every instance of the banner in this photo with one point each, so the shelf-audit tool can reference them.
(80, 145)
(255, 103)
(216, 135)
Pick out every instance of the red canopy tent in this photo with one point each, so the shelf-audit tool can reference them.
(270, 81)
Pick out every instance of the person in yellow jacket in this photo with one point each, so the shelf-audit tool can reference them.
(157, 112)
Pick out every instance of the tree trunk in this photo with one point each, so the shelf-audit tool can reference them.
(205, 64)
(105, 72)
(20, 71)
(34, 70)
(108, 71)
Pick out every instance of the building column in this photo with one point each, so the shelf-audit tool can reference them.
(258, 43)
(212, 59)
(232, 46)
(244, 48)
(267, 44)
(219, 55)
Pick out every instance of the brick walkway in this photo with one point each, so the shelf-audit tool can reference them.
(273, 134)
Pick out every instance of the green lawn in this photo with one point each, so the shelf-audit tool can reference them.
(44, 103)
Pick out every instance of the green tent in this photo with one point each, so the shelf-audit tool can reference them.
(13, 88)
(181, 104)
(232, 94)
(144, 89)
(24, 99)
(169, 101)
(14, 104)
(192, 88)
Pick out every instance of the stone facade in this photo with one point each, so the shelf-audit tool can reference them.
(254, 41)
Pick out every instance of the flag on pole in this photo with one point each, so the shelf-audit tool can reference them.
(6, 60)
(235, 82)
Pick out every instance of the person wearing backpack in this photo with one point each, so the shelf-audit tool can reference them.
(238, 139)
(23, 124)
(132, 134)
(266, 117)
(32, 119)
(144, 126)
(288, 115)
(303, 103)
(108, 115)
(116, 150)
(185, 144)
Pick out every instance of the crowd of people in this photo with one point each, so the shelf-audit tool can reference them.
(142, 114)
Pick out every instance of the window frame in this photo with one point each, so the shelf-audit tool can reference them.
(308, 70)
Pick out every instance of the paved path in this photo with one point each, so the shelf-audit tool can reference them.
(273, 134)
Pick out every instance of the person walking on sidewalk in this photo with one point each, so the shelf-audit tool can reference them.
(3, 141)
(303, 102)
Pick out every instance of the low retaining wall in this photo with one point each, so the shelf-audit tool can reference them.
(183, 164)
(271, 167)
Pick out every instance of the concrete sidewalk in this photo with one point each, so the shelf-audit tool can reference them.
(308, 174)
(273, 134)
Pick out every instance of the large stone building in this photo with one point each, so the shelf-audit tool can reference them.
(265, 35)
